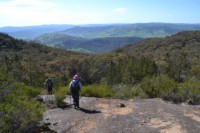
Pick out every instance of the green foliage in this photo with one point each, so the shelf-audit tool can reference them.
(158, 86)
(164, 87)
(133, 72)
(158, 65)
(121, 91)
(195, 71)
(60, 95)
(136, 91)
(30, 62)
(97, 91)
(19, 111)
(130, 92)
(190, 91)
(26, 90)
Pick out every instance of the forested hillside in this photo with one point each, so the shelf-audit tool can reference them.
(167, 68)
(97, 45)
(177, 56)
(180, 51)
(24, 66)
(31, 62)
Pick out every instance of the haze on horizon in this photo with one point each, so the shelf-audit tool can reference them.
(40, 12)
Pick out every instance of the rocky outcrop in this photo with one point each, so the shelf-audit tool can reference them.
(114, 115)
(48, 100)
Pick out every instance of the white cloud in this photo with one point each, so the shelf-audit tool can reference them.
(29, 4)
(30, 12)
(37, 12)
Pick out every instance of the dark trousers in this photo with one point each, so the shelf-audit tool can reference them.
(75, 95)
(49, 89)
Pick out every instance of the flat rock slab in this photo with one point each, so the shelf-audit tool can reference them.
(98, 115)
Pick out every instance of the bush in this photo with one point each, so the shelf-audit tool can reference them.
(19, 111)
(26, 90)
(190, 91)
(159, 86)
(164, 87)
(60, 95)
(97, 91)
(137, 91)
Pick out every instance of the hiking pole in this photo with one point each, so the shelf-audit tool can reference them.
(81, 98)
(70, 98)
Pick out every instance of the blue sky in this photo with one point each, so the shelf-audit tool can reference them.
(38, 12)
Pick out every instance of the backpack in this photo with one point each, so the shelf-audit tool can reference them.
(75, 85)
(50, 82)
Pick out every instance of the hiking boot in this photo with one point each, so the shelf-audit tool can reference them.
(77, 108)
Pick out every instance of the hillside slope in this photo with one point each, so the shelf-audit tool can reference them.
(158, 48)
(99, 45)
(31, 62)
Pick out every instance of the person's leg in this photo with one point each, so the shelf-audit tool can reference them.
(48, 89)
(77, 98)
(74, 97)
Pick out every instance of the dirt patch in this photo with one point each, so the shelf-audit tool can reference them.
(157, 123)
(193, 116)
(167, 126)
(102, 105)
(108, 110)
(173, 129)
(87, 126)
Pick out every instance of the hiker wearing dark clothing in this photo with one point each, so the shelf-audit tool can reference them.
(49, 84)
(75, 87)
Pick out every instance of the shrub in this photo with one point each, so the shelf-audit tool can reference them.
(26, 90)
(97, 91)
(159, 86)
(164, 87)
(19, 111)
(60, 95)
(190, 91)
(137, 91)
(122, 93)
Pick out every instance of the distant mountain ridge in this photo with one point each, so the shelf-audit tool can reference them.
(30, 32)
(96, 37)
(142, 30)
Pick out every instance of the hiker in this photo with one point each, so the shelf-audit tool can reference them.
(75, 87)
(49, 84)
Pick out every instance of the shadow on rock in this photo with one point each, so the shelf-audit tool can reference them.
(65, 105)
(89, 111)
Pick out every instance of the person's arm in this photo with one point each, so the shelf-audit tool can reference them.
(70, 85)
(45, 84)
(69, 88)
